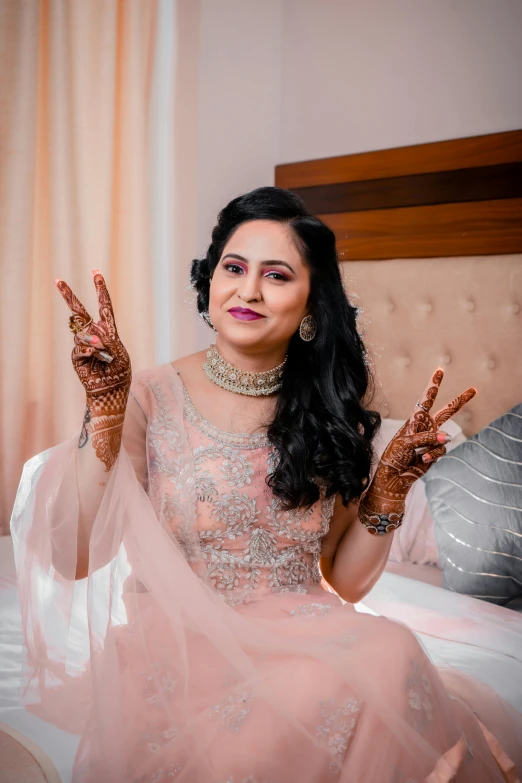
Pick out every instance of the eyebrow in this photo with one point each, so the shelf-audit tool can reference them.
(272, 262)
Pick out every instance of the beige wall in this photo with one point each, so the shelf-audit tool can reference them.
(363, 75)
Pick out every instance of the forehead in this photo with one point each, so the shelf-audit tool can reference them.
(261, 240)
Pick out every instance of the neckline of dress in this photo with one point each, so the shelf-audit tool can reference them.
(244, 439)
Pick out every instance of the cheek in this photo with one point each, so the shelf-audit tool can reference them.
(288, 303)
(220, 290)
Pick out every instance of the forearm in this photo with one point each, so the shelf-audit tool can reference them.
(359, 561)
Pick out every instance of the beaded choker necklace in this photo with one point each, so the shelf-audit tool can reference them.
(229, 377)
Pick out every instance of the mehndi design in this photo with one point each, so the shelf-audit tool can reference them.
(106, 385)
(409, 455)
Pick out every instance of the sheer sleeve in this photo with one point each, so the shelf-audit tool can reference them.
(134, 437)
(54, 605)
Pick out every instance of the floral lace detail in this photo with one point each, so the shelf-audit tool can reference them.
(312, 609)
(233, 712)
(242, 440)
(249, 779)
(159, 680)
(337, 728)
(163, 774)
(237, 512)
(399, 777)
(235, 468)
(419, 691)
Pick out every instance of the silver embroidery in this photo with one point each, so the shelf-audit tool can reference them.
(233, 712)
(419, 690)
(262, 548)
(236, 469)
(312, 609)
(162, 774)
(249, 779)
(243, 440)
(158, 681)
(337, 728)
(237, 512)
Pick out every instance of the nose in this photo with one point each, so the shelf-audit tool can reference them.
(248, 290)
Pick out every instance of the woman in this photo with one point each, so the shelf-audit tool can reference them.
(215, 511)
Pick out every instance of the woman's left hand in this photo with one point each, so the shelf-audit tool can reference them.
(409, 455)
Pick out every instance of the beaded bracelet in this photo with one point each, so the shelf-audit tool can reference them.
(379, 524)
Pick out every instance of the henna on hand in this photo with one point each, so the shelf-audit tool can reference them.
(410, 453)
(106, 385)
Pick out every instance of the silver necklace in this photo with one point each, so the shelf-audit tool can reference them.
(230, 377)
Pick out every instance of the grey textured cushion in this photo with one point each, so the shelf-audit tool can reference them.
(475, 499)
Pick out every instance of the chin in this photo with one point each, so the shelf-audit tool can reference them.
(257, 342)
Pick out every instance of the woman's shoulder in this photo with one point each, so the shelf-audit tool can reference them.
(161, 384)
(155, 385)
(167, 370)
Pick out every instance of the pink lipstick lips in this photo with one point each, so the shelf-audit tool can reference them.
(244, 314)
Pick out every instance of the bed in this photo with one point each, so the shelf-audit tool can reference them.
(430, 239)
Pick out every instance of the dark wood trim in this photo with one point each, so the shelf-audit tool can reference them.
(473, 228)
(476, 151)
(485, 183)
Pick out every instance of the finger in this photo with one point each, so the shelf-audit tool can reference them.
(433, 455)
(89, 339)
(452, 407)
(430, 392)
(79, 352)
(105, 304)
(418, 439)
(72, 300)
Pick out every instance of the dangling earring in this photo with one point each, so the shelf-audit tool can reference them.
(206, 317)
(308, 328)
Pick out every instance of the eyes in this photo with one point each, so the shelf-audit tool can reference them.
(279, 276)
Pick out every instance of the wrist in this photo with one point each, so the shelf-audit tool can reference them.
(380, 514)
(112, 404)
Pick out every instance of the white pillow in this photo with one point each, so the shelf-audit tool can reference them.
(414, 541)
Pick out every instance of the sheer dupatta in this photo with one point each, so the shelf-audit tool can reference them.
(148, 607)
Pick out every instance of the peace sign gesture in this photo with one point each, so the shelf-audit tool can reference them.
(408, 456)
(103, 367)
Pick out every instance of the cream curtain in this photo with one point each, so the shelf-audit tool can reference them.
(87, 156)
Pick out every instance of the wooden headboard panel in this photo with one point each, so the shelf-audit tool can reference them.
(430, 240)
(451, 198)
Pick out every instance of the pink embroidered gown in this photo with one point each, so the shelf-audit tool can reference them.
(204, 647)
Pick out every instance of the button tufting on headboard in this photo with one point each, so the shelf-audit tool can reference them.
(457, 313)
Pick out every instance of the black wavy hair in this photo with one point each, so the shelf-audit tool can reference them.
(322, 428)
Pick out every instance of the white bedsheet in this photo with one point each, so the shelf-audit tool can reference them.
(476, 637)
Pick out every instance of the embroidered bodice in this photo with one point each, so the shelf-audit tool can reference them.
(248, 543)
(209, 487)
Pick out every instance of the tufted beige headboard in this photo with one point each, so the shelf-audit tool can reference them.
(430, 239)
(463, 314)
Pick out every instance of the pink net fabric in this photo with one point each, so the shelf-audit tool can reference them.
(203, 646)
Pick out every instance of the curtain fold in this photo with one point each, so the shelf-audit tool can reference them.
(86, 181)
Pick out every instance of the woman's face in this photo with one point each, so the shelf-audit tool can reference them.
(261, 270)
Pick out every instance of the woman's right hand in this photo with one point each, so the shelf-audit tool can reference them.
(106, 383)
